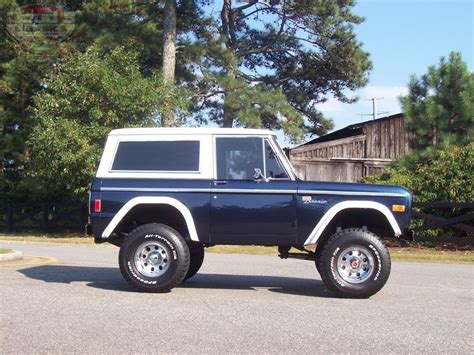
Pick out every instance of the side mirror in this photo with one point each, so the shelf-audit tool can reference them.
(258, 175)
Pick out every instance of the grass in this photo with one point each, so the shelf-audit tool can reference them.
(49, 238)
(397, 253)
(413, 254)
(432, 256)
(243, 249)
(4, 251)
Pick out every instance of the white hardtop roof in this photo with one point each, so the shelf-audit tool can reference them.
(190, 131)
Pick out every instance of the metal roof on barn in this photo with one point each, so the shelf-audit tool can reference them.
(349, 131)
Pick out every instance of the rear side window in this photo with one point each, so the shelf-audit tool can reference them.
(157, 156)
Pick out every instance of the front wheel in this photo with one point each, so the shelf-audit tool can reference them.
(154, 258)
(354, 263)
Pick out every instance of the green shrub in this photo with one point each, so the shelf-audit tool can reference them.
(447, 176)
(91, 94)
(443, 175)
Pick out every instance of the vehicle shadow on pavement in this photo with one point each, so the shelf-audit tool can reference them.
(110, 279)
(98, 277)
(278, 284)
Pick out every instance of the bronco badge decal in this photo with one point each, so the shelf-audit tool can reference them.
(309, 199)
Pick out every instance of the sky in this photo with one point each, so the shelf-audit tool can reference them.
(403, 37)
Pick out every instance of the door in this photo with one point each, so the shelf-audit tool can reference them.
(253, 198)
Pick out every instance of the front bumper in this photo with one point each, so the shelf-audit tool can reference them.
(408, 234)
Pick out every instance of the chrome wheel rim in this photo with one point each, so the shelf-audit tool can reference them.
(355, 264)
(152, 259)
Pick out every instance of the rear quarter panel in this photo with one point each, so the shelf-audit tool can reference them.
(115, 193)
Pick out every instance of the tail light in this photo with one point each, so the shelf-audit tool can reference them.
(97, 205)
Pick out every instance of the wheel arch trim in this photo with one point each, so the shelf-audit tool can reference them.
(153, 200)
(334, 210)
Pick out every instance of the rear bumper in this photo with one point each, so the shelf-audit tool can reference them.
(97, 240)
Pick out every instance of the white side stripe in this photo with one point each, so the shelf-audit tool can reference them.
(257, 191)
(215, 190)
(155, 189)
(334, 210)
(349, 193)
(253, 191)
(158, 200)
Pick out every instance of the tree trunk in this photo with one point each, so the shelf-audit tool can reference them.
(228, 112)
(169, 53)
(226, 29)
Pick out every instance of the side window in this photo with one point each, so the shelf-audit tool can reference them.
(272, 164)
(157, 156)
(238, 157)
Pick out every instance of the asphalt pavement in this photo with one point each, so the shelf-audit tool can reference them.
(74, 300)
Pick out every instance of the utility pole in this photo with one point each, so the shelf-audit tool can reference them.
(374, 106)
(375, 112)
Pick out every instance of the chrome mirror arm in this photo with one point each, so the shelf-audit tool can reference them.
(258, 175)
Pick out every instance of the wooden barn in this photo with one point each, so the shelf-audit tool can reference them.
(349, 154)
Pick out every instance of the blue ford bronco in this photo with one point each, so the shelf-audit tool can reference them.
(165, 194)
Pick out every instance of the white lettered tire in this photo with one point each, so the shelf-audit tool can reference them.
(154, 258)
(354, 263)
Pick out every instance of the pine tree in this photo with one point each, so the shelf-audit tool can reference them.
(439, 107)
(26, 64)
(169, 52)
(266, 64)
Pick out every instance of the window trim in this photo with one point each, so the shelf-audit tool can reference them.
(205, 157)
(283, 158)
(278, 159)
(271, 142)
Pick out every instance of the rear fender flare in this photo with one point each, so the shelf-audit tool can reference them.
(152, 200)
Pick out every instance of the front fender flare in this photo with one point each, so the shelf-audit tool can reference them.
(153, 200)
(334, 210)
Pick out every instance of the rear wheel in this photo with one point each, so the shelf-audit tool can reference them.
(197, 258)
(154, 258)
(354, 263)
